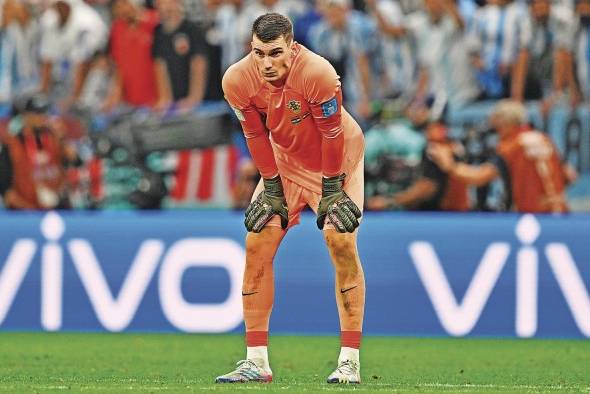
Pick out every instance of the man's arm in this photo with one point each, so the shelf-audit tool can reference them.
(519, 73)
(15, 201)
(255, 130)
(365, 88)
(571, 80)
(79, 77)
(520, 66)
(198, 82)
(421, 190)
(560, 73)
(115, 91)
(453, 12)
(163, 87)
(322, 92)
(474, 175)
(423, 81)
(271, 201)
(45, 83)
(469, 174)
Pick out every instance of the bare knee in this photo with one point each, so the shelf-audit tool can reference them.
(342, 248)
(260, 251)
(263, 245)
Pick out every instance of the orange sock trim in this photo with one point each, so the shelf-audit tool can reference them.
(351, 339)
(256, 338)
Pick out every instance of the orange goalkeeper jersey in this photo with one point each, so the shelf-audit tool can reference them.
(300, 129)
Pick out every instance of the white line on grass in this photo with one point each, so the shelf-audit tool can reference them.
(496, 386)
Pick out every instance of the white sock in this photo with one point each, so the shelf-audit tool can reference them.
(348, 353)
(260, 353)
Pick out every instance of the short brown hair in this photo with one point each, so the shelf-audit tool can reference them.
(269, 27)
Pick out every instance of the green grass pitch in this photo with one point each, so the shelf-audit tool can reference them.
(167, 363)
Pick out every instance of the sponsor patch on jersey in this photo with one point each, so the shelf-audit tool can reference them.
(239, 114)
(294, 106)
(330, 107)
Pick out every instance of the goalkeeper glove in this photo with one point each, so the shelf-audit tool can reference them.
(271, 201)
(335, 204)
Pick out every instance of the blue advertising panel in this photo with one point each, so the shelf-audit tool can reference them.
(427, 274)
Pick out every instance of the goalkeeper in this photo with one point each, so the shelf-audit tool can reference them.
(309, 151)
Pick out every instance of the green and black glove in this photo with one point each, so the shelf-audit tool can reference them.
(271, 201)
(335, 204)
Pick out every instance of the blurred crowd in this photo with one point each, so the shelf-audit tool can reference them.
(423, 58)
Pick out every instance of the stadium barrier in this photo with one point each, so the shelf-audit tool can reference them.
(427, 274)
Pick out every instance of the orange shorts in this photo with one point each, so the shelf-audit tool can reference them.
(299, 197)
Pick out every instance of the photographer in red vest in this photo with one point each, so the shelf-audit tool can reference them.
(33, 159)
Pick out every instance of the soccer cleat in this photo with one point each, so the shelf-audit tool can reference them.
(247, 371)
(348, 371)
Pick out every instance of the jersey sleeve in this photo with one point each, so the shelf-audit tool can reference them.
(324, 95)
(254, 129)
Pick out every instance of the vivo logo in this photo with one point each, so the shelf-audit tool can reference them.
(459, 318)
(115, 312)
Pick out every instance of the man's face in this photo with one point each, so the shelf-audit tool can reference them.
(540, 10)
(501, 127)
(434, 8)
(168, 8)
(124, 9)
(63, 11)
(269, 3)
(419, 115)
(335, 16)
(273, 58)
(583, 8)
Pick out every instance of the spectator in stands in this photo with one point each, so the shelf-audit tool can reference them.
(71, 34)
(526, 157)
(303, 24)
(180, 58)
(349, 40)
(19, 37)
(551, 49)
(213, 46)
(230, 20)
(32, 163)
(396, 52)
(499, 42)
(582, 46)
(444, 66)
(131, 41)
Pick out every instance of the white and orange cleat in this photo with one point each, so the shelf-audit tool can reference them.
(247, 371)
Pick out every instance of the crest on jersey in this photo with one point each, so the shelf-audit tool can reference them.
(294, 106)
